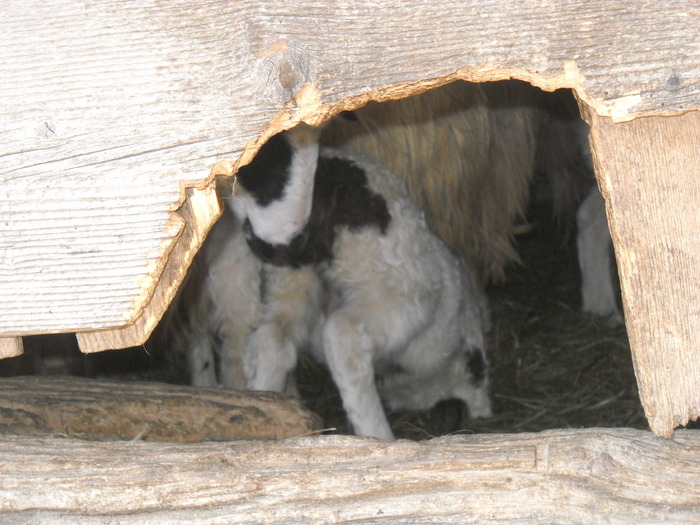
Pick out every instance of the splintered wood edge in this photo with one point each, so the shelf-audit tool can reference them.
(198, 213)
(201, 207)
(307, 104)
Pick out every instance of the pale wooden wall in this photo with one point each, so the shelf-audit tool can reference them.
(109, 110)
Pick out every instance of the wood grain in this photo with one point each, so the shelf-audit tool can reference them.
(111, 109)
(10, 347)
(197, 215)
(567, 476)
(648, 171)
(110, 410)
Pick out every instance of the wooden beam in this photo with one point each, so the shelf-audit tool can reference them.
(116, 108)
(566, 476)
(648, 171)
(10, 347)
(111, 410)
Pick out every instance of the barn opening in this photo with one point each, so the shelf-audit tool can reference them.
(553, 366)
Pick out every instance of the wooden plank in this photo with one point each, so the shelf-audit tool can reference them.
(10, 347)
(568, 476)
(109, 110)
(648, 171)
(110, 410)
(197, 214)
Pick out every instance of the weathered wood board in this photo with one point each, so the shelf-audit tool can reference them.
(110, 410)
(110, 109)
(568, 476)
(197, 214)
(10, 347)
(649, 173)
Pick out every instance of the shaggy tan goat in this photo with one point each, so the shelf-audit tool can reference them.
(469, 153)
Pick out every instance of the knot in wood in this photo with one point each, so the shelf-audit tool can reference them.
(287, 76)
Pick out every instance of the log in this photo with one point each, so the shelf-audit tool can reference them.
(110, 410)
(116, 109)
(566, 476)
(648, 171)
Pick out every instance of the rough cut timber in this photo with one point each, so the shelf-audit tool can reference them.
(649, 173)
(592, 476)
(110, 111)
(197, 215)
(110, 410)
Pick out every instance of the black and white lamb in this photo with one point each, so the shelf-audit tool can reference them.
(363, 283)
